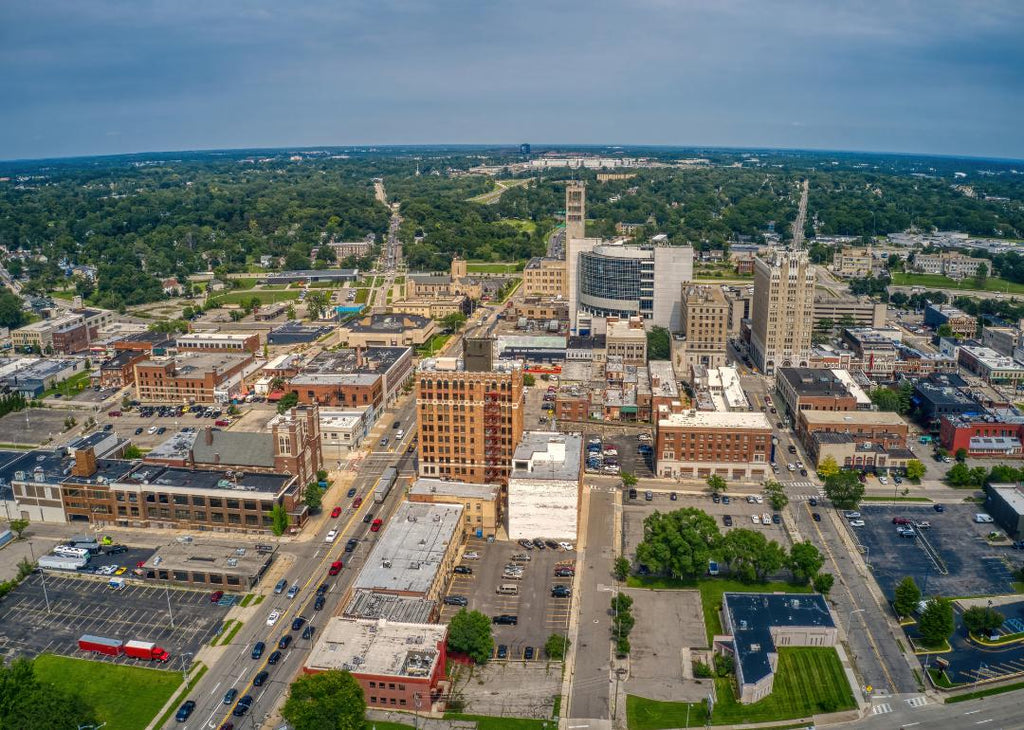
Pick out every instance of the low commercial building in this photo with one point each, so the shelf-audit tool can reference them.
(850, 452)
(1005, 502)
(882, 427)
(544, 487)
(199, 378)
(32, 376)
(218, 342)
(312, 276)
(697, 444)
(961, 323)
(1004, 340)
(984, 435)
(755, 624)
(151, 343)
(627, 339)
(356, 377)
(399, 666)
(813, 389)
(387, 606)
(341, 431)
(942, 395)
(296, 333)
(989, 365)
(481, 503)
(387, 330)
(204, 563)
(415, 553)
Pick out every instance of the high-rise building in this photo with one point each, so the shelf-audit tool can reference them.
(575, 210)
(783, 310)
(524, 148)
(704, 325)
(469, 422)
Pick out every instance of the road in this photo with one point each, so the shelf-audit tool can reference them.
(801, 217)
(388, 264)
(999, 712)
(310, 559)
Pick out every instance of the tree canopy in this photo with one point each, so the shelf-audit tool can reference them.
(936, 622)
(678, 543)
(469, 633)
(906, 597)
(331, 700)
(844, 489)
(25, 702)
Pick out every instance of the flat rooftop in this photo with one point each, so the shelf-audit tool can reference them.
(464, 490)
(380, 647)
(195, 367)
(212, 336)
(373, 605)
(853, 418)
(814, 382)
(387, 323)
(238, 557)
(158, 478)
(746, 420)
(1011, 494)
(351, 361)
(409, 552)
(548, 455)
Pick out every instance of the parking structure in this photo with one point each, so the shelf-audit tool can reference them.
(539, 613)
(952, 557)
(79, 605)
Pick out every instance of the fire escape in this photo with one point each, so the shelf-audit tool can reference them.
(493, 451)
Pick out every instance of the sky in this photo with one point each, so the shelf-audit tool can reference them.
(87, 77)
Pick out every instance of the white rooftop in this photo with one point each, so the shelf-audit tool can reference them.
(378, 647)
(445, 487)
(716, 419)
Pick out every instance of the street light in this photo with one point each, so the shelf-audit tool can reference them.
(170, 612)
(42, 578)
(184, 666)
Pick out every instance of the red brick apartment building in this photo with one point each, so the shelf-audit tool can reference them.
(188, 379)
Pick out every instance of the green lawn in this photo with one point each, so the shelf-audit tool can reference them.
(485, 722)
(520, 224)
(509, 268)
(72, 386)
(106, 686)
(385, 725)
(935, 281)
(242, 283)
(265, 297)
(810, 680)
(433, 345)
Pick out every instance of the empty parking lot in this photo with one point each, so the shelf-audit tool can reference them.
(180, 621)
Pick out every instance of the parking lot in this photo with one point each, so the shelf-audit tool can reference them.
(951, 558)
(634, 511)
(539, 613)
(627, 456)
(969, 662)
(36, 425)
(147, 429)
(80, 606)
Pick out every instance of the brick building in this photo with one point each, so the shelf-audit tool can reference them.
(371, 376)
(219, 342)
(697, 444)
(705, 328)
(983, 435)
(119, 370)
(813, 389)
(188, 379)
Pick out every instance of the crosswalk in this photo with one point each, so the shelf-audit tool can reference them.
(919, 701)
(881, 709)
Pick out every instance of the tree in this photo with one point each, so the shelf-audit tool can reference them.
(556, 646)
(679, 543)
(132, 452)
(982, 620)
(828, 467)
(716, 483)
(936, 622)
(915, 470)
(321, 475)
(314, 497)
(331, 700)
(961, 454)
(961, 475)
(805, 560)
(906, 596)
(453, 322)
(659, 344)
(749, 555)
(621, 568)
(886, 399)
(11, 312)
(287, 402)
(316, 304)
(469, 633)
(18, 526)
(944, 330)
(279, 520)
(823, 583)
(528, 380)
(628, 479)
(980, 276)
(1004, 474)
(844, 489)
(776, 495)
(25, 702)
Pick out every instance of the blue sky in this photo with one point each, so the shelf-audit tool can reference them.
(81, 77)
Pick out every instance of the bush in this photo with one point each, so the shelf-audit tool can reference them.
(724, 665)
(556, 646)
(702, 671)
(622, 648)
(621, 568)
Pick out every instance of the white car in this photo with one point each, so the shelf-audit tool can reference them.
(756, 519)
(567, 546)
(766, 519)
(151, 430)
(883, 480)
(791, 467)
(856, 523)
(273, 617)
(471, 556)
(331, 535)
(758, 499)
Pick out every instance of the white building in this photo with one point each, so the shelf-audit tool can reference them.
(544, 487)
(343, 430)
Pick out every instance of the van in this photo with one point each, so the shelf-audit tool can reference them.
(508, 589)
(982, 518)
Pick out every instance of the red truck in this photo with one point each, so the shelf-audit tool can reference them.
(146, 650)
(101, 645)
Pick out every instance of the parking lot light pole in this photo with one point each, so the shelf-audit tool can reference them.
(185, 665)
(42, 578)
(170, 611)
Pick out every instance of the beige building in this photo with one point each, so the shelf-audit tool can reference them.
(705, 327)
(545, 277)
(952, 264)
(575, 210)
(855, 262)
(434, 308)
(783, 310)
(841, 311)
(627, 339)
(387, 330)
(481, 503)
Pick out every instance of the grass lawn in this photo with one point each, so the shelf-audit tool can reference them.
(484, 722)
(242, 283)
(265, 297)
(433, 345)
(385, 725)
(72, 386)
(810, 680)
(935, 281)
(105, 686)
(711, 590)
(520, 224)
(509, 268)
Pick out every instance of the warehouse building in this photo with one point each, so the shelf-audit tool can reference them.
(544, 487)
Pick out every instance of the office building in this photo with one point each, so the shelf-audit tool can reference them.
(989, 365)
(481, 503)
(817, 389)
(195, 378)
(65, 334)
(704, 328)
(354, 377)
(218, 342)
(387, 330)
(469, 422)
(783, 310)
(961, 323)
(545, 277)
(626, 338)
(544, 489)
(697, 444)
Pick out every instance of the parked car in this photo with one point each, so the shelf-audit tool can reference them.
(456, 601)
(351, 545)
(939, 507)
(502, 651)
(505, 620)
(851, 515)
(528, 652)
(462, 570)
(293, 591)
(816, 517)
(351, 492)
(648, 496)
(281, 585)
(727, 520)
(307, 633)
(856, 523)
(336, 512)
(216, 596)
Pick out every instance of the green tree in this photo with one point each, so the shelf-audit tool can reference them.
(805, 560)
(982, 620)
(556, 646)
(679, 543)
(906, 596)
(453, 322)
(776, 495)
(469, 633)
(11, 312)
(132, 452)
(716, 483)
(287, 402)
(25, 702)
(621, 568)
(844, 489)
(321, 475)
(961, 475)
(528, 380)
(980, 276)
(936, 622)
(823, 583)
(915, 470)
(944, 330)
(886, 399)
(317, 303)
(314, 497)
(331, 700)
(18, 526)
(828, 467)
(659, 344)
(961, 454)
(279, 520)
(628, 479)
(749, 555)
(1004, 474)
